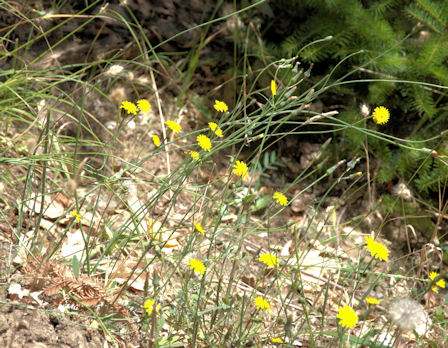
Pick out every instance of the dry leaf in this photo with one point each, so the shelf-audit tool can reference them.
(16, 292)
(54, 206)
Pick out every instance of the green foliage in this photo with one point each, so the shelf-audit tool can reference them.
(269, 162)
(433, 178)
(393, 54)
(381, 41)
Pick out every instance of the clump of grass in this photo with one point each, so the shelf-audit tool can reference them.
(208, 270)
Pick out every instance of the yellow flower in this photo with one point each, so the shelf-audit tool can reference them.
(240, 169)
(372, 300)
(262, 304)
(348, 317)
(174, 126)
(269, 259)
(380, 115)
(194, 155)
(199, 227)
(440, 282)
(220, 106)
(130, 108)
(435, 289)
(276, 340)
(156, 140)
(149, 305)
(280, 198)
(378, 250)
(204, 142)
(144, 105)
(273, 87)
(214, 127)
(197, 266)
(76, 215)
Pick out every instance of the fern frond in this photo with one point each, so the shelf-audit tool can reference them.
(421, 100)
(434, 14)
(380, 8)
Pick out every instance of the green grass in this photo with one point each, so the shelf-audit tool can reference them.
(138, 203)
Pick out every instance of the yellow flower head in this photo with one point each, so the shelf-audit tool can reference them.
(262, 304)
(220, 106)
(372, 300)
(174, 126)
(130, 108)
(377, 250)
(214, 127)
(204, 142)
(199, 227)
(440, 282)
(380, 115)
(269, 259)
(194, 155)
(197, 266)
(240, 169)
(144, 105)
(348, 317)
(280, 198)
(276, 340)
(273, 87)
(156, 140)
(149, 305)
(76, 215)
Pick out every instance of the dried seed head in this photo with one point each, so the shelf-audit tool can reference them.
(408, 314)
(117, 95)
(364, 109)
(114, 70)
(71, 186)
(402, 191)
